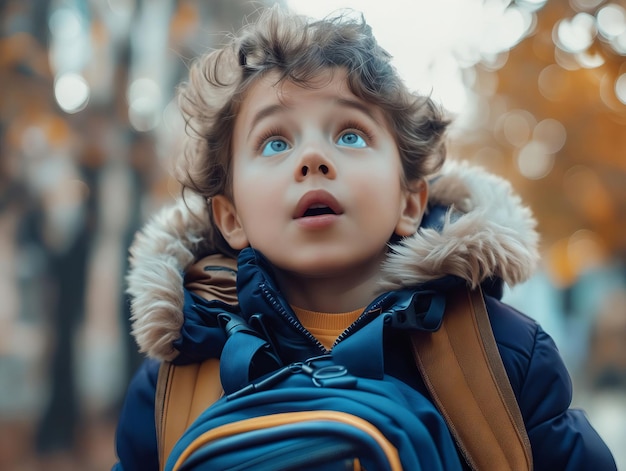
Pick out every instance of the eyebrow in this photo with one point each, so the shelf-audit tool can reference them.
(359, 106)
(345, 102)
(264, 113)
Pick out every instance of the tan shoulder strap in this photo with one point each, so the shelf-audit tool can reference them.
(464, 373)
(182, 393)
(461, 367)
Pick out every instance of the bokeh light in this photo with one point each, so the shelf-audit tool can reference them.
(609, 88)
(531, 5)
(534, 161)
(576, 34)
(590, 61)
(122, 7)
(570, 257)
(517, 126)
(618, 44)
(553, 82)
(585, 5)
(69, 40)
(585, 250)
(551, 133)
(71, 92)
(611, 20)
(620, 88)
(65, 23)
(144, 104)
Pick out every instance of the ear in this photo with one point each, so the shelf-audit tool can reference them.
(412, 210)
(228, 223)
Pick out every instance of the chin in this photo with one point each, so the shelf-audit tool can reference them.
(331, 267)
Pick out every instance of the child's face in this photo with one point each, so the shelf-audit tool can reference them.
(316, 179)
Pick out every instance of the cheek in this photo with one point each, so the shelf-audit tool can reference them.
(383, 179)
(380, 201)
(257, 199)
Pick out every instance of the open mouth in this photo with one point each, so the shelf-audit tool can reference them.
(318, 210)
(317, 203)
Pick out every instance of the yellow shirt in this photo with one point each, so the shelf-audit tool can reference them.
(326, 326)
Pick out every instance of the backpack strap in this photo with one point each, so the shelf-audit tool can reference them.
(182, 393)
(464, 373)
(461, 367)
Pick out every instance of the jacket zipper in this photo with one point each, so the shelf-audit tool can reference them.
(373, 310)
(160, 411)
(269, 295)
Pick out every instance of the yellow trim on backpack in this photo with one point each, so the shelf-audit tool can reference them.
(275, 420)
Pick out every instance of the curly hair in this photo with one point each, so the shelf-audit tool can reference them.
(298, 48)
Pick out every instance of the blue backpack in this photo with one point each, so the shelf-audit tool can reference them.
(316, 416)
(333, 413)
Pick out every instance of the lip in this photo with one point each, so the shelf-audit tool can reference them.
(317, 197)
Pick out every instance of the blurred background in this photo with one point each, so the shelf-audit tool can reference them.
(88, 127)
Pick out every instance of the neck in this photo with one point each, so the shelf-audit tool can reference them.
(332, 293)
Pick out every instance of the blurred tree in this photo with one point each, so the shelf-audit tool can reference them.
(39, 137)
(557, 130)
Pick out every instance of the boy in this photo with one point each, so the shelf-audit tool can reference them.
(312, 158)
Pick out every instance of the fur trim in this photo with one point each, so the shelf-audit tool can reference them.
(494, 237)
(167, 245)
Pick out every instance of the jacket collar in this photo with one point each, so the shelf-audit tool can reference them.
(476, 230)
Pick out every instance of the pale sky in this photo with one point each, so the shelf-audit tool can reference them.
(433, 41)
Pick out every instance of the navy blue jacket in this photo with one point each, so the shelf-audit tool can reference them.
(561, 438)
(490, 237)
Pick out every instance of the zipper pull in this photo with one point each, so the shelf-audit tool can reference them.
(329, 375)
(267, 382)
(334, 376)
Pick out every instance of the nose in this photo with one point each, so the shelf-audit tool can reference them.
(313, 162)
(322, 168)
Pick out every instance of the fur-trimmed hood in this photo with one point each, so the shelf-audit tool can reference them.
(487, 232)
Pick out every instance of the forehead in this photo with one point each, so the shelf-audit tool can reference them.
(269, 85)
(269, 93)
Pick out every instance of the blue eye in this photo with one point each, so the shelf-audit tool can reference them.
(351, 139)
(275, 146)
